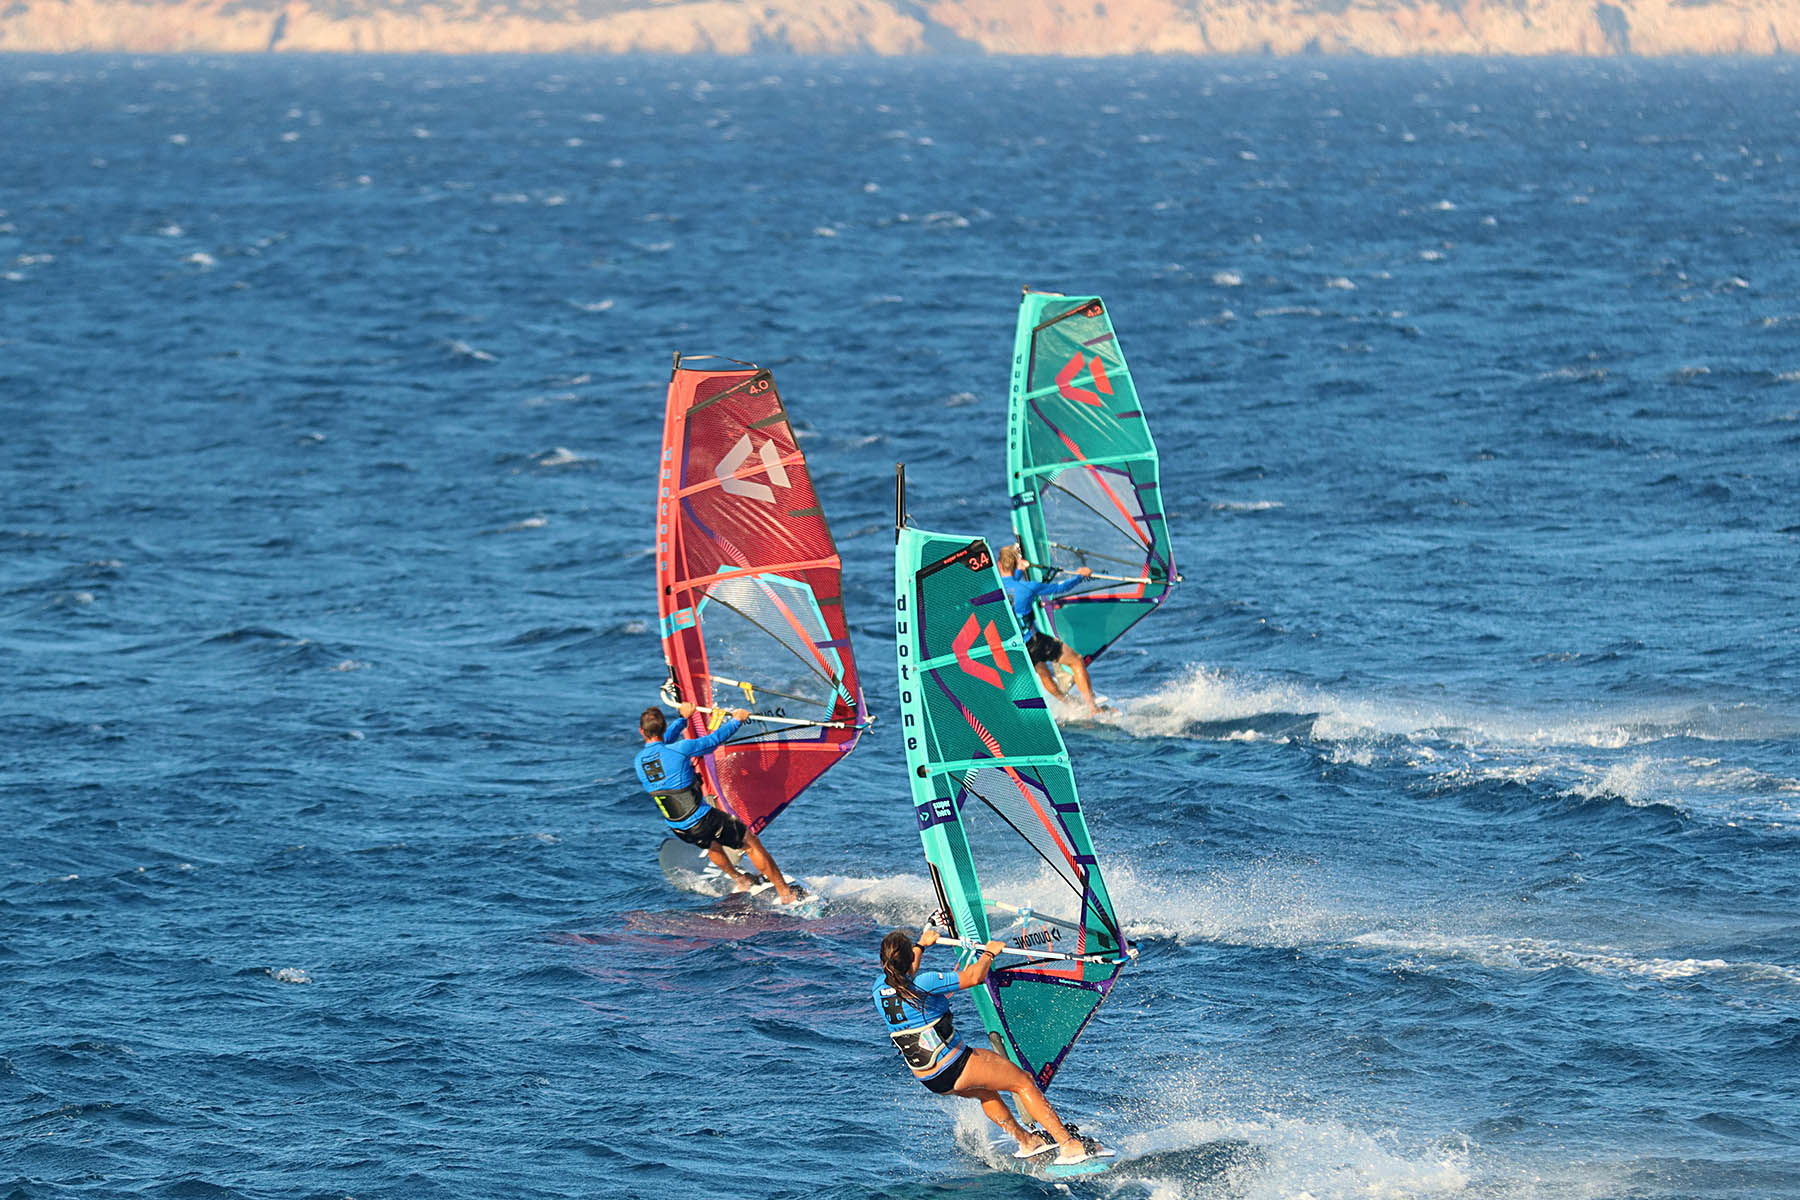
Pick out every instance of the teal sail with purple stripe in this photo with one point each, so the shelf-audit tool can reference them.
(1083, 474)
(996, 804)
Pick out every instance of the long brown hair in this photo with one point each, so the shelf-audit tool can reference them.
(897, 963)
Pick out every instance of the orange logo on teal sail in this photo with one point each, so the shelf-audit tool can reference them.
(970, 631)
(1065, 380)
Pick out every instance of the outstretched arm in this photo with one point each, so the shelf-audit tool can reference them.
(707, 744)
(970, 976)
(1073, 581)
(976, 973)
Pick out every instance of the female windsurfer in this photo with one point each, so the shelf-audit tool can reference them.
(918, 1017)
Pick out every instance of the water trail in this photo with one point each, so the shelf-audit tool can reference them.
(1643, 755)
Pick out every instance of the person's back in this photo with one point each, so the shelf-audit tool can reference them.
(665, 768)
(1042, 647)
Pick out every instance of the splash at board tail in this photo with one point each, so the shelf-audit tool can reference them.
(1082, 472)
(748, 589)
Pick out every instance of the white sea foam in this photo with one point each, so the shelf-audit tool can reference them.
(1589, 755)
(1533, 955)
(889, 900)
(1291, 906)
(290, 975)
(1181, 1153)
(462, 349)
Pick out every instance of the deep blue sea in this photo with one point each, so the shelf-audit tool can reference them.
(1454, 799)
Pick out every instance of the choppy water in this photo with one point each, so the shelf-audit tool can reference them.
(1455, 800)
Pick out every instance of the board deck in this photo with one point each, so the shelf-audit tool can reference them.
(689, 869)
(1044, 1165)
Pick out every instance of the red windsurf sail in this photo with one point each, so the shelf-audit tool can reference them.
(748, 591)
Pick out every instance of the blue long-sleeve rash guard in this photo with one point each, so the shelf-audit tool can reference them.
(904, 1016)
(668, 766)
(1023, 593)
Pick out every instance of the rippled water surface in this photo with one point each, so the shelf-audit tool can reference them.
(1454, 799)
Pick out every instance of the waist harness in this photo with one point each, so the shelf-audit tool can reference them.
(922, 1045)
(678, 806)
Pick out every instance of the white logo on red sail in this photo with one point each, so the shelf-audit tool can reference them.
(734, 462)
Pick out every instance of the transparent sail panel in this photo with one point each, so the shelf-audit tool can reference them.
(1093, 518)
(763, 636)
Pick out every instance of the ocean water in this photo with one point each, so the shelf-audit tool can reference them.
(1454, 800)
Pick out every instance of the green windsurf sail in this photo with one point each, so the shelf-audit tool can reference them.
(1082, 472)
(996, 802)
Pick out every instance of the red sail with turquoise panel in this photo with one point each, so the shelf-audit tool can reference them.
(748, 589)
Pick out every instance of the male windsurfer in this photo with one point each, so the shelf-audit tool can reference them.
(913, 1004)
(1042, 648)
(665, 767)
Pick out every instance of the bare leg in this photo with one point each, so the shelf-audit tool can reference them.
(754, 848)
(722, 860)
(988, 1072)
(1047, 677)
(999, 1114)
(1072, 660)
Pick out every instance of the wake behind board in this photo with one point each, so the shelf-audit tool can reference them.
(689, 869)
(1044, 1165)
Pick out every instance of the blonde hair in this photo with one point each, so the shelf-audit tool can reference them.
(1008, 560)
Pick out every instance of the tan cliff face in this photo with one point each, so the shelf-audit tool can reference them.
(1075, 28)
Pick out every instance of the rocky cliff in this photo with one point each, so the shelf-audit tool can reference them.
(1085, 28)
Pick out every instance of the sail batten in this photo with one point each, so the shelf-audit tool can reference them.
(995, 801)
(1083, 472)
(748, 589)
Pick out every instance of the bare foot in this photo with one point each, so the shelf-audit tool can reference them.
(741, 884)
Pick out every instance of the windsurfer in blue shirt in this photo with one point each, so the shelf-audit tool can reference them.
(1043, 648)
(913, 1004)
(665, 767)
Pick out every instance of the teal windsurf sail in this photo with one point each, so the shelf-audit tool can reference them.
(996, 802)
(1082, 472)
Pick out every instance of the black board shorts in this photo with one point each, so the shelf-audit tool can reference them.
(715, 826)
(1043, 648)
(945, 1080)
